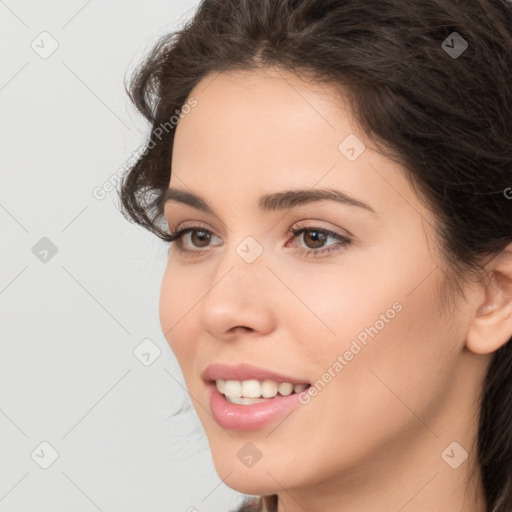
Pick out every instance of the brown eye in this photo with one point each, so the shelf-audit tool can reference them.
(200, 238)
(313, 238)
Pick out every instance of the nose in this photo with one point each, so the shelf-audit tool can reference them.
(240, 298)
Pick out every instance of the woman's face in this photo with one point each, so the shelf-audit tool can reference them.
(365, 319)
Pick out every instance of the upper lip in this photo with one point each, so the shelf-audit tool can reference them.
(245, 372)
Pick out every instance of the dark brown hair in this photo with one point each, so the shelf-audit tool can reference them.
(445, 117)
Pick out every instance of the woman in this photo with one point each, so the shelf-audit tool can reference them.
(337, 197)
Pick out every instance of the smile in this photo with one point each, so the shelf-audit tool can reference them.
(252, 412)
(253, 391)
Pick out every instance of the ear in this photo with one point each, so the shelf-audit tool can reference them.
(491, 326)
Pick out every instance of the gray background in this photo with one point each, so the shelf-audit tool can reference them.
(72, 320)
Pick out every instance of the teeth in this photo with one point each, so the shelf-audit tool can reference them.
(220, 385)
(252, 389)
(245, 401)
(285, 388)
(233, 388)
(299, 387)
(269, 388)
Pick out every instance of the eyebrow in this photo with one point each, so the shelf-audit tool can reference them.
(270, 202)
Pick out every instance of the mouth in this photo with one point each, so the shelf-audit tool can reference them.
(273, 401)
(248, 397)
(253, 391)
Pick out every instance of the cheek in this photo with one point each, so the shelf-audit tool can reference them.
(176, 309)
(334, 302)
(395, 360)
(385, 320)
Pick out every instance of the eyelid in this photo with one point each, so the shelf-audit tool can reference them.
(190, 223)
(184, 228)
(343, 241)
(317, 224)
(296, 226)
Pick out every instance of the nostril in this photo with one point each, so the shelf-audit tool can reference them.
(242, 327)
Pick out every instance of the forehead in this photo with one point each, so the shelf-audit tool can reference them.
(271, 121)
(255, 132)
(271, 100)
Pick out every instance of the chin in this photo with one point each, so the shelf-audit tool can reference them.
(252, 484)
(258, 480)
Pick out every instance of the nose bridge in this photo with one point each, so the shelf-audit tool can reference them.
(240, 292)
(241, 271)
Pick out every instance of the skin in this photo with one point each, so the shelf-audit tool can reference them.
(372, 438)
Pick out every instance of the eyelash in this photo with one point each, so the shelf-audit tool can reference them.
(343, 241)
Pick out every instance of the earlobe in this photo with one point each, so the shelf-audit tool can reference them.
(491, 327)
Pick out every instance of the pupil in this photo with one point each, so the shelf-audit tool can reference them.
(318, 237)
(201, 236)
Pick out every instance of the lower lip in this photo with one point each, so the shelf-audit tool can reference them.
(253, 416)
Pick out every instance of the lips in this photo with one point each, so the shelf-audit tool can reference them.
(249, 417)
(245, 372)
(258, 413)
